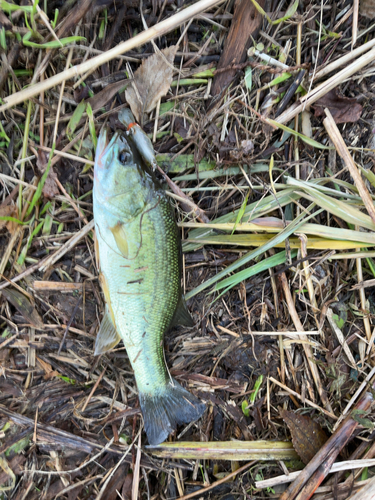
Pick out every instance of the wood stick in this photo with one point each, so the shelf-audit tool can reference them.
(145, 36)
(56, 286)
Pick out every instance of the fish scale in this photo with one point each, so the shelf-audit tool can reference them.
(140, 264)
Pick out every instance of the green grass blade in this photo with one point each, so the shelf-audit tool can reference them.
(278, 238)
(304, 138)
(55, 44)
(253, 210)
(341, 209)
(241, 211)
(288, 14)
(91, 125)
(220, 172)
(75, 119)
(41, 183)
(235, 279)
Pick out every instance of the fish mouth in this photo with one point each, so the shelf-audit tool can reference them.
(105, 149)
(108, 151)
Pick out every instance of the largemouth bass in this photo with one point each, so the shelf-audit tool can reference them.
(139, 251)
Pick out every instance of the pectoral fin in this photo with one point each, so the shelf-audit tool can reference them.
(128, 237)
(121, 239)
(107, 337)
(182, 315)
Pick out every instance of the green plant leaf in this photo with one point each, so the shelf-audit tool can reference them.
(241, 211)
(10, 7)
(41, 183)
(248, 77)
(259, 267)
(208, 73)
(18, 446)
(55, 44)
(289, 13)
(304, 138)
(75, 119)
(91, 125)
(257, 386)
(245, 409)
(188, 81)
(339, 208)
(165, 107)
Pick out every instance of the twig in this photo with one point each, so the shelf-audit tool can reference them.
(94, 389)
(65, 155)
(341, 339)
(216, 483)
(67, 246)
(354, 398)
(365, 493)
(307, 401)
(137, 469)
(337, 467)
(184, 200)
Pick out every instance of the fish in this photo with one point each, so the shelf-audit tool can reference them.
(138, 249)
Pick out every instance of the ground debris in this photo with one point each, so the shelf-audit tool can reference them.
(268, 157)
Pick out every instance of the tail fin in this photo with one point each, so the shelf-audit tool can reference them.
(171, 406)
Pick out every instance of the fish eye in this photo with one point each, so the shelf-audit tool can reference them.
(124, 157)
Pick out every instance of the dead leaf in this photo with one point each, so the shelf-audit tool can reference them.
(127, 487)
(9, 388)
(8, 211)
(45, 366)
(151, 82)
(24, 306)
(116, 483)
(101, 98)
(343, 109)
(50, 188)
(307, 436)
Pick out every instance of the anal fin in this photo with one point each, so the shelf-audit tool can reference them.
(107, 337)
